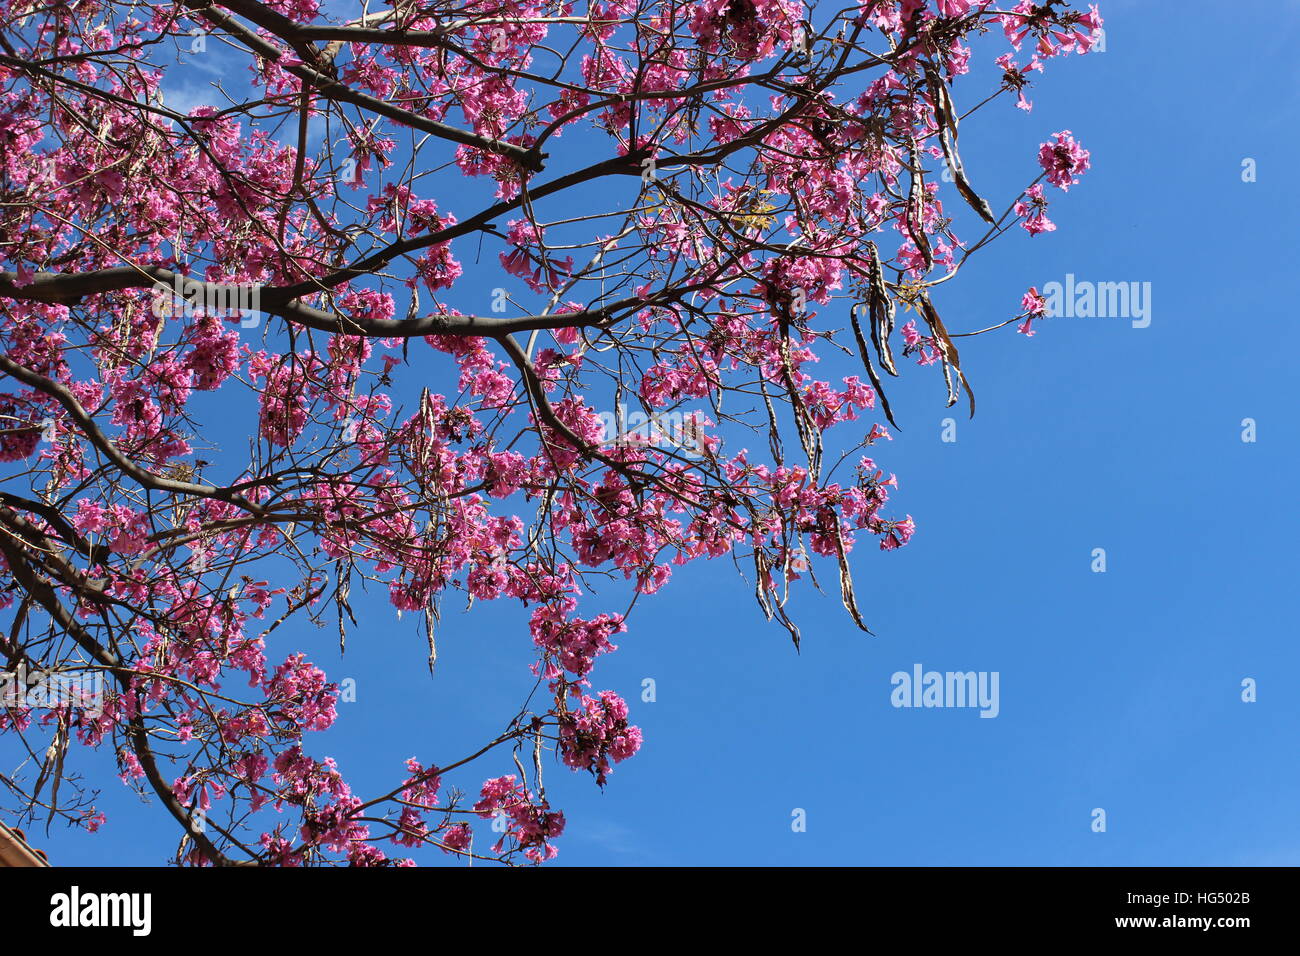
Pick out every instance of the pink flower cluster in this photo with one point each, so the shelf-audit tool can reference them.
(597, 733)
(1064, 161)
(529, 823)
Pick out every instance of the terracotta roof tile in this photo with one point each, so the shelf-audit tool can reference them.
(16, 851)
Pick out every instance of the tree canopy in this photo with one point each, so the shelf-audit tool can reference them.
(452, 298)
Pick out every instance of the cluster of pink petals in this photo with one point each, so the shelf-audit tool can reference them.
(1032, 208)
(530, 824)
(590, 738)
(1064, 160)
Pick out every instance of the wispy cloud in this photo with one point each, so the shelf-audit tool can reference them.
(614, 838)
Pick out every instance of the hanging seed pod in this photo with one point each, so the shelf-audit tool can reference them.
(881, 307)
(914, 217)
(947, 353)
(946, 118)
(867, 364)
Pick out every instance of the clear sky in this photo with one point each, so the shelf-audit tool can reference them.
(1119, 690)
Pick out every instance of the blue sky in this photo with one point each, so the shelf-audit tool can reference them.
(1119, 690)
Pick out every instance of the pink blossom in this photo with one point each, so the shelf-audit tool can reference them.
(1064, 160)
